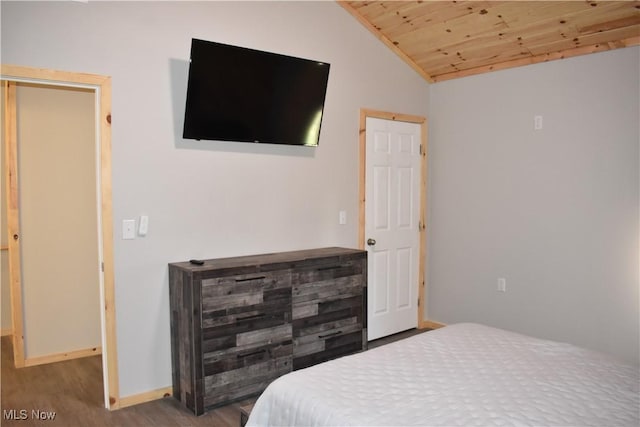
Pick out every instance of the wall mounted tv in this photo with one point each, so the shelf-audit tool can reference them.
(246, 95)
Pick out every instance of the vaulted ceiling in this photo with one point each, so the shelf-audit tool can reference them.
(449, 39)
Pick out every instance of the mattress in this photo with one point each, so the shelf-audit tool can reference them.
(460, 375)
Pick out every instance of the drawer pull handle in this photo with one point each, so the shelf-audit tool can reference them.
(330, 334)
(253, 353)
(254, 316)
(248, 279)
(333, 267)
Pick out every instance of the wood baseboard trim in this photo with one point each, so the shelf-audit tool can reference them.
(6, 331)
(431, 324)
(148, 396)
(51, 358)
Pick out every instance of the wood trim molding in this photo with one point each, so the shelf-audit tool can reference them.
(45, 75)
(148, 396)
(431, 324)
(422, 278)
(362, 178)
(6, 332)
(411, 118)
(59, 357)
(11, 167)
(422, 121)
(102, 86)
(107, 243)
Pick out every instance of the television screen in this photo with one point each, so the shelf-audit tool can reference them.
(246, 95)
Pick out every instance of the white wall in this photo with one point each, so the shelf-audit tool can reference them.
(210, 199)
(554, 211)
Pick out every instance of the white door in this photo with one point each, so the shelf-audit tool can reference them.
(392, 224)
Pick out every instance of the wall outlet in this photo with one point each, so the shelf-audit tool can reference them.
(502, 285)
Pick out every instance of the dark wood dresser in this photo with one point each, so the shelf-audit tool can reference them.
(239, 323)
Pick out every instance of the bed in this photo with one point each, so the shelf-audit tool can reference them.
(460, 375)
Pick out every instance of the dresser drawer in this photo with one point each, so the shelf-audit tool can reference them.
(230, 295)
(327, 312)
(240, 374)
(327, 281)
(329, 334)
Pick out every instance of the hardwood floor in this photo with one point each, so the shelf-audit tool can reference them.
(73, 390)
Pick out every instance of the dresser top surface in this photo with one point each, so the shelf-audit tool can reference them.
(271, 258)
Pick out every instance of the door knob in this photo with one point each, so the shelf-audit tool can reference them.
(371, 242)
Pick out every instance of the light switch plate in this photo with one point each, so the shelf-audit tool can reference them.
(537, 122)
(143, 226)
(128, 229)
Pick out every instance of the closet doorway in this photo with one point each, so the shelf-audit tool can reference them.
(59, 222)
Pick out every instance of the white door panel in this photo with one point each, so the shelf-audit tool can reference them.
(392, 215)
(380, 267)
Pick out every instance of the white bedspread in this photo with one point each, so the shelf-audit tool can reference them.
(460, 375)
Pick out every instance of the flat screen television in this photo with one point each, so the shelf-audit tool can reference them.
(247, 95)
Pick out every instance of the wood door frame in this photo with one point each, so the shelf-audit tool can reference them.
(422, 121)
(102, 89)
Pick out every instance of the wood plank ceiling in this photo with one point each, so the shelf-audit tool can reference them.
(449, 39)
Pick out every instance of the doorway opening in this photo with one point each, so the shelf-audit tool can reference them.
(100, 87)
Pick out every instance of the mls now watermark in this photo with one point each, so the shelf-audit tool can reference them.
(23, 414)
